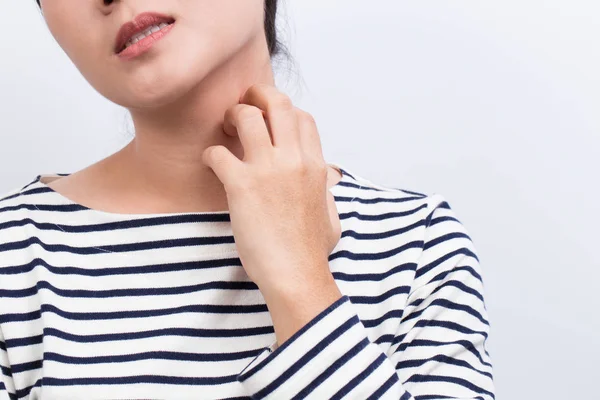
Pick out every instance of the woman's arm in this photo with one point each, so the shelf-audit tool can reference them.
(438, 351)
(442, 337)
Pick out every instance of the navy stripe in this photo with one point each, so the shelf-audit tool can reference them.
(150, 355)
(119, 225)
(130, 270)
(389, 315)
(375, 256)
(155, 379)
(469, 346)
(357, 380)
(109, 337)
(374, 277)
(120, 248)
(26, 341)
(449, 305)
(442, 359)
(450, 379)
(382, 235)
(465, 252)
(442, 324)
(89, 316)
(376, 200)
(383, 216)
(382, 297)
(98, 294)
(442, 275)
(444, 238)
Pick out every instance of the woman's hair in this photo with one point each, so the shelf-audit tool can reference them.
(275, 46)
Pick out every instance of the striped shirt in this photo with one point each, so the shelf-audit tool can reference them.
(99, 305)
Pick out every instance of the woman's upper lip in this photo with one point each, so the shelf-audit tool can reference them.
(139, 24)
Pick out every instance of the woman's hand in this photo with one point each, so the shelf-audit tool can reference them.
(283, 217)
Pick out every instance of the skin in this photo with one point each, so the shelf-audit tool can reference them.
(212, 133)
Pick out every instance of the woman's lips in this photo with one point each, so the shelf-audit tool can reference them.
(139, 24)
(145, 44)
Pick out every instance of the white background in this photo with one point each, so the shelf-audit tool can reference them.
(492, 104)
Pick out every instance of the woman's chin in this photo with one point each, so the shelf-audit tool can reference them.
(152, 98)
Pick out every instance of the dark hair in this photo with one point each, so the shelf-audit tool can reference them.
(275, 46)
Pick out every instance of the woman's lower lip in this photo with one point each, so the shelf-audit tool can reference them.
(142, 46)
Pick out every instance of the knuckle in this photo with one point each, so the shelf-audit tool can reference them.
(217, 155)
(280, 101)
(307, 117)
(247, 112)
(259, 86)
(253, 89)
(321, 168)
(304, 166)
(317, 169)
(257, 90)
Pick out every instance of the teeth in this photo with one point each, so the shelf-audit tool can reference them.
(147, 32)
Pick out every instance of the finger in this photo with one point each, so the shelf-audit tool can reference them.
(224, 163)
(280, 114)
(310, 140)
(248, 123)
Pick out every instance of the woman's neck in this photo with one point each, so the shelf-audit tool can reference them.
(164, 160)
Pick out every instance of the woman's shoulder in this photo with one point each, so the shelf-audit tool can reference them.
(370, 192)
(14, 205)
(17, 197)
(20, 205)
(427, 216)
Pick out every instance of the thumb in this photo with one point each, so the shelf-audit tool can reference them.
(223, 162)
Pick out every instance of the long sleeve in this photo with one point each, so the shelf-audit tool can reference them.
(438, 350)
(7, 388)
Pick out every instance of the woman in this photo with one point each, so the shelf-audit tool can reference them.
(217, 255)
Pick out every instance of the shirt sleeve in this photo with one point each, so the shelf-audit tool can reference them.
(437, 352)
(7, 387)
